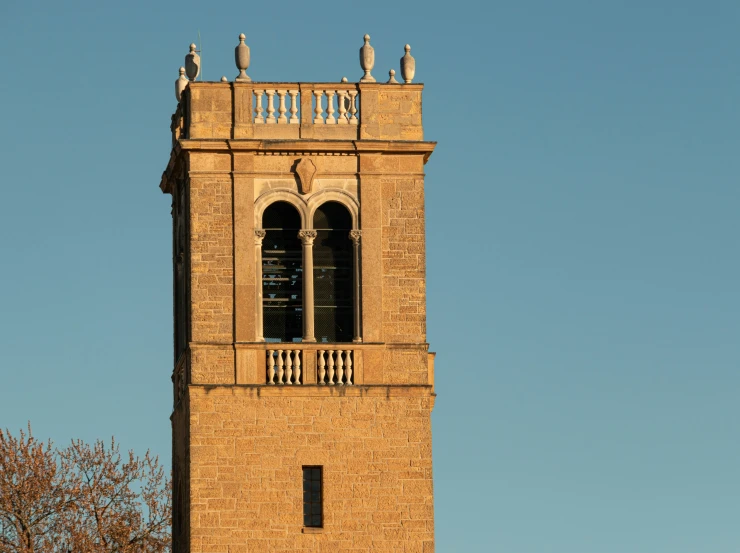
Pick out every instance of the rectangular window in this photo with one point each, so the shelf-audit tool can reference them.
(312, 497)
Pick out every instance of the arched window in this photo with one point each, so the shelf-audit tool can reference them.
(332, 258)
(282, 274)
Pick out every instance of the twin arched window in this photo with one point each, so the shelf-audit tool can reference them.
(289, 295)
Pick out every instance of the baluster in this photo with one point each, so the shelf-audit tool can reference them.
(281, 107)
(270, 108)
(293, 106)
(318, 120)
(288, 367)
(330, 379)
(297, 367)
(322, 369)
(280, 366)
(270, 367)
(258, 108)
(348, 364)
(340, 364)
(341, 99)
(353, 107)
(330, 119)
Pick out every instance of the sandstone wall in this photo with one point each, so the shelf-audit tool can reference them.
(211, 247)
(247, 454)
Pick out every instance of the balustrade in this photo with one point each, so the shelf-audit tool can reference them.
(340, 103)
(244, 109)
(339, 100)
(284, 367)
(334, 367)
(284, 97)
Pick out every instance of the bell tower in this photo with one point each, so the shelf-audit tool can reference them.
(303, 382)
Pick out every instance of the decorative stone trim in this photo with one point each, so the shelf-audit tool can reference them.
(259, 235)
(307, 237)
(306, 171)
(302, 154)
(355, 235)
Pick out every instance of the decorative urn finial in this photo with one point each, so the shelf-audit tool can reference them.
(408, 65)
(192, 63)
(180, 84)
(367, 61)
(241, 55)
(392, 79)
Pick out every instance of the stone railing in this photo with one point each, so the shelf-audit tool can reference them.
(336, 369)
(270, 110)
(247, 109)
(282, 119)
(286, 366)
(280, 104)
(291, 111)
(346, 105)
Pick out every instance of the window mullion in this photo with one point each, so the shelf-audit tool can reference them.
(307, 237)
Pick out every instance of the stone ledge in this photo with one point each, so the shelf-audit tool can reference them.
(309, 390)
(309, 145)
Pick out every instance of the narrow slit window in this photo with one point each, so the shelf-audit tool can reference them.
(313, 497)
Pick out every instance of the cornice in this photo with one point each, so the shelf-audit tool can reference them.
(165, 183)
(300, 147)
(309, 146)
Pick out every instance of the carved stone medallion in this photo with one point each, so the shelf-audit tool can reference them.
(306, 171)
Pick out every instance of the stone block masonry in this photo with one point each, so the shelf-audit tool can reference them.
(251, 411)
(246, 456)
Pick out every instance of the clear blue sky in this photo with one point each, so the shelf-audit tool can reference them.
(582, 232)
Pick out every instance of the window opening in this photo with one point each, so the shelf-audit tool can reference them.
(282, 274)
(332, 258)
(312, 497)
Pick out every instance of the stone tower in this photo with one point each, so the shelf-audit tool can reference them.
(303, 384)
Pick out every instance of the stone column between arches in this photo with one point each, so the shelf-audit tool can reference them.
(307, 237)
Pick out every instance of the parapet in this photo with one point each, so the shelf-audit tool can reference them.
(246, 109)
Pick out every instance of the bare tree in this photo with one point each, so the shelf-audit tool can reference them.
(35, 492)
(124, 502)
(82, 498)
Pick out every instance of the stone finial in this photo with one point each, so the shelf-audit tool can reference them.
(408, 65)
(224, 79)
(344, 79)
(192, 63)
(180, 84)
(367, 60)
(392, 79)
(241, 55)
